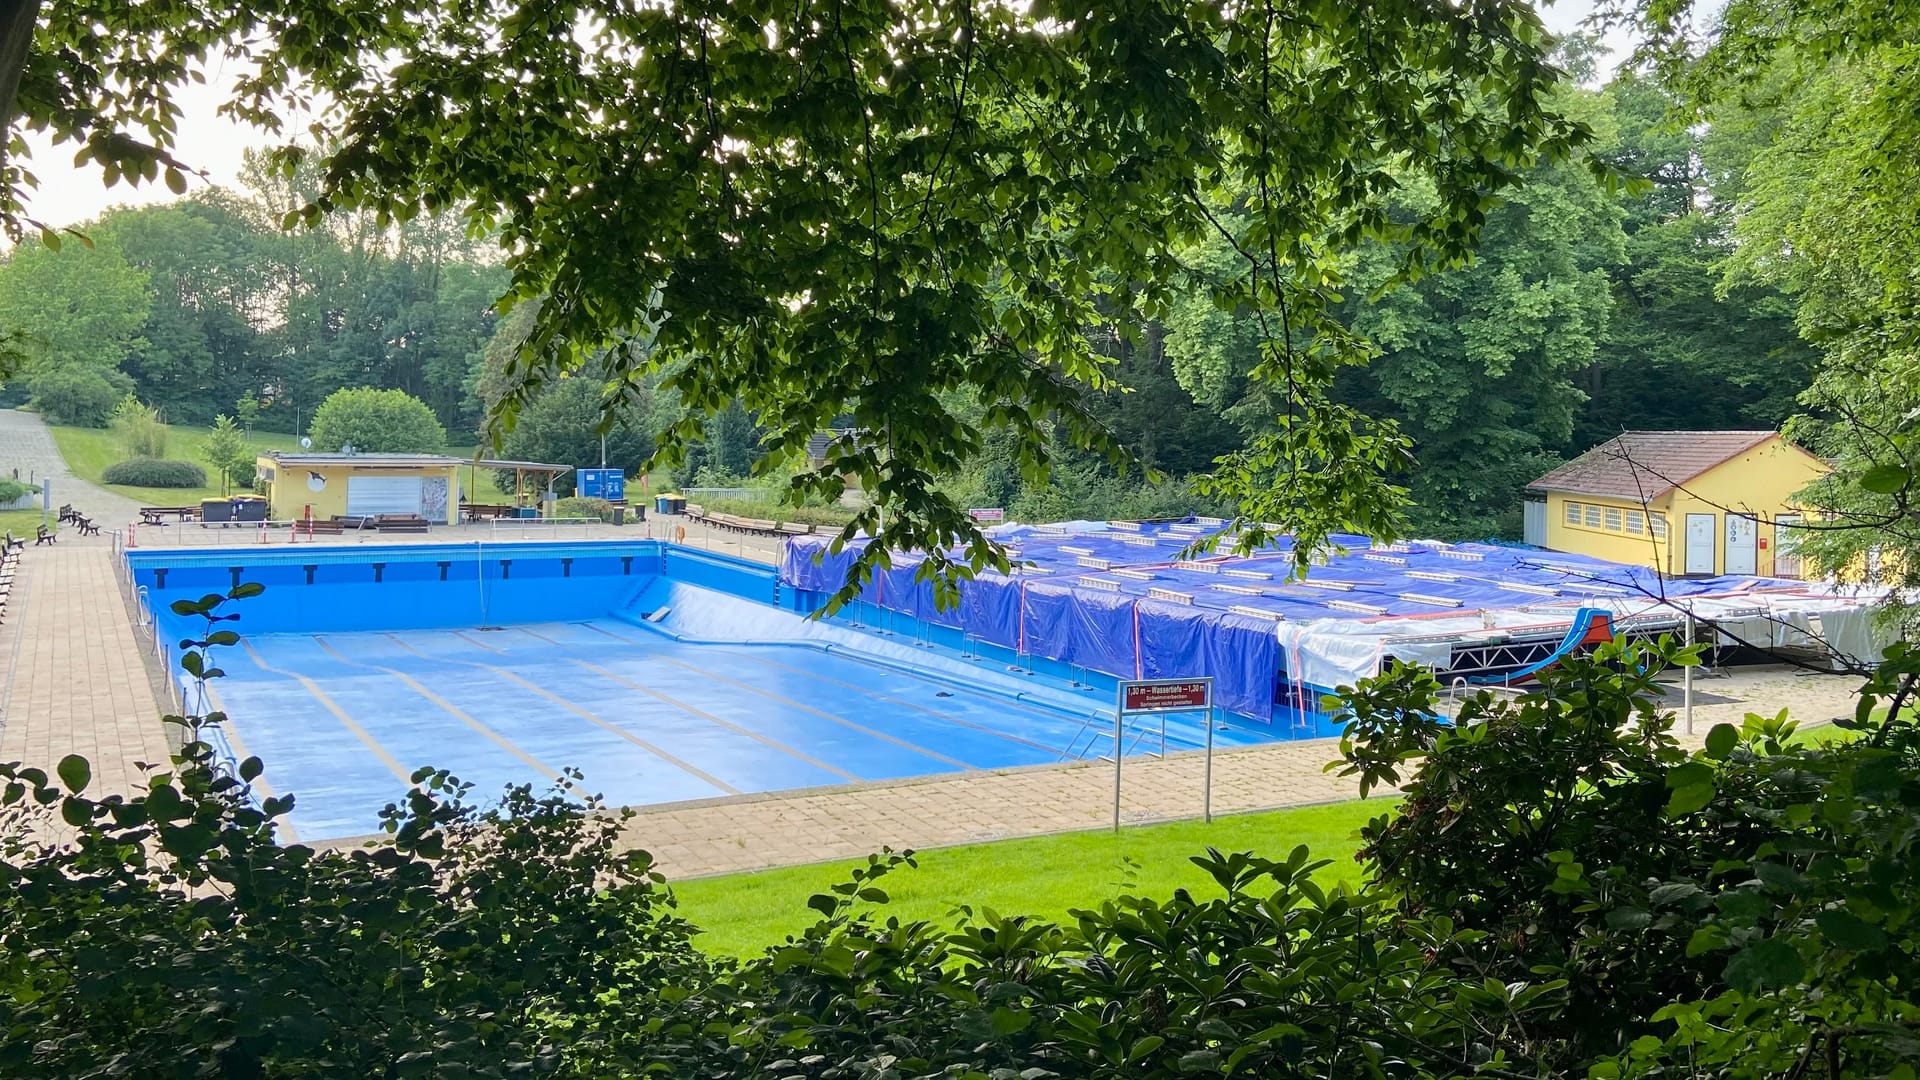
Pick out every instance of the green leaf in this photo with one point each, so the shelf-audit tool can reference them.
(824, 903)
(1779, 876)
(1884, 479)
(75, 773)
(76, 812)
(1688, 799)
(1849, 931)
(1764, 964)
(246, 590)
(1007, 1021)
(1721, 741)
(1144, 1046)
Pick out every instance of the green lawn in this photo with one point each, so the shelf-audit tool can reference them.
(1044, 876)
(90, 450)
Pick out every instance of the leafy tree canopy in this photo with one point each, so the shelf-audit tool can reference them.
(857, 211)
(376, 422)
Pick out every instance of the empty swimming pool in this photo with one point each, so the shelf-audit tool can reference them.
(663, 674)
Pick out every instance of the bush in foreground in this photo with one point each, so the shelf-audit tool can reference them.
(1566, 892)
(76, 396)
(155, 473)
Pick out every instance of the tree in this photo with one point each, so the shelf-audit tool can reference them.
(78, 306)
(225, 448)
(138, 429)
(561, 426)
(856, 214)
(247, 410)
(377, 422)
(80, 396)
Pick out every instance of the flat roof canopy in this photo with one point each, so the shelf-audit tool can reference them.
(522, 466)
(371, 461)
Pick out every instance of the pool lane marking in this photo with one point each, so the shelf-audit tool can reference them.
(462, 635)
(333, 707)
(259, 783)
(709, 717)
(935, 713)
(803, 707)
(583, 713)
(458, 713)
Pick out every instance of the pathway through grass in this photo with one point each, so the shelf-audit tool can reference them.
(1043, 876)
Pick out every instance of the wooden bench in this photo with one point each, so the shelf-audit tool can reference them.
(796, 528)
(317, 528)
(157, 515)
(357, 522)
(407, 523)
(485, 511)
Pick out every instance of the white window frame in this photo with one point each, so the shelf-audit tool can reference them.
(1636, 523)
(1614, 518)
(1572, 514)
(1657, 522)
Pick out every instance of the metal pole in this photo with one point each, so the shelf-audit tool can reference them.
(1686, 679)
(1206, 806)
(1119, 715)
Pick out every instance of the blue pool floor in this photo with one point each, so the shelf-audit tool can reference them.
(343, 719)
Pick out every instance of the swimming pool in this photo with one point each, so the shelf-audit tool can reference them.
(663, 673)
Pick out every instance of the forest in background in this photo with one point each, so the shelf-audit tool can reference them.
(1590, 308)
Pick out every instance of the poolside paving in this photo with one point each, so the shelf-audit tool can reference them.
(76, 684)
(73, 659)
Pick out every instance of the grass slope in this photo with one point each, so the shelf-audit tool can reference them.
(89, 451)
(1045, 876)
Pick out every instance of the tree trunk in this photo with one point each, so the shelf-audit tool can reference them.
(17, 19)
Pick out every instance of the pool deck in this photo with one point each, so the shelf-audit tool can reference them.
(77, 683)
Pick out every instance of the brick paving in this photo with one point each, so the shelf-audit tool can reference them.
(76, 683)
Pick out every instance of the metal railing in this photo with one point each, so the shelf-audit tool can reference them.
(1133, 734)
(553, 526)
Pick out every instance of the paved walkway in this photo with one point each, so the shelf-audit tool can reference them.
(73, 660)
(26, 446)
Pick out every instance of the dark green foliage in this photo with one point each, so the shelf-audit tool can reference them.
(155, 472)
(14, 489)
(78, 396)
(577, 507)
(1732, 908)
(376, 422)
(562, 426)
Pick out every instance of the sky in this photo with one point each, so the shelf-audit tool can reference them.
(214, 144)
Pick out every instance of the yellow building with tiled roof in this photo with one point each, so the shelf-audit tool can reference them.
(1691, 503)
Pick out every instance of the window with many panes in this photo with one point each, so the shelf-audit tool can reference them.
(1593, 516)
(1573, 513)
(1659, 523)
(1636, 522)
(1613, 519)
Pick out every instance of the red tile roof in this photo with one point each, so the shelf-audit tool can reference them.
(1641, 465)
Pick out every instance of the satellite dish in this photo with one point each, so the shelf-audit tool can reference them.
(346, 448)
(306, 443)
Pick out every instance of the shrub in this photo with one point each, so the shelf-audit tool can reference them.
(376, 422)
(578, 507)
(226, 450)
(138, 429)
(78, 396)
(154, 473)
(769, 510)
(14, 489)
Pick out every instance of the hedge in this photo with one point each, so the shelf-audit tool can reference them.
(155, 473)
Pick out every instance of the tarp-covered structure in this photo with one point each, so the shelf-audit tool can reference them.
(1127, 599)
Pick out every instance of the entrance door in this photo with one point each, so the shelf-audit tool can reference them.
(370, 495)
(1743, 536)
(1786, 546)
(1700, 540)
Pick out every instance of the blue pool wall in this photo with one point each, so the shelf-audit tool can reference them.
(420, 586)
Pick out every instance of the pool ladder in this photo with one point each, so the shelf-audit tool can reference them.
(1095, 728)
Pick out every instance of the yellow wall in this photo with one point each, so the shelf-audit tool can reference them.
(1760, 483)
(1621, 547)
(290, 495)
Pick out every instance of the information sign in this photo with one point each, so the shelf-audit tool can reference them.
(1166, 695)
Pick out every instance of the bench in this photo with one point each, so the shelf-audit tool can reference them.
(317, 528)
(407, 523)
(796, 528)
(157, 515)
(485, 511)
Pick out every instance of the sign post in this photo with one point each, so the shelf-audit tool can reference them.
(1145, 696)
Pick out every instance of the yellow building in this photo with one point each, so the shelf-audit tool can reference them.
(1681, 502)
(325, 486)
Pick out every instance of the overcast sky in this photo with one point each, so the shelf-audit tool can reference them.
(69, 195)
